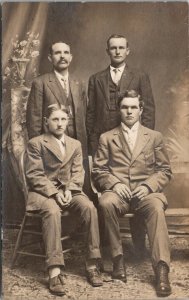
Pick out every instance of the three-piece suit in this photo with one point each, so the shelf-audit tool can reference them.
(46, 90)
(48, 172)
(147, 165)
(103, 111)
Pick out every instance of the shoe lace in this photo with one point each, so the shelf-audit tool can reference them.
(94, 272)
(163, 272)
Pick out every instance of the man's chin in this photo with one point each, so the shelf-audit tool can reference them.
(58, 135)
(61, 67)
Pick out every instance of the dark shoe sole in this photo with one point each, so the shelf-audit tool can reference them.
(57, 293)
(163, 294)
(95, 285)
(122, 279)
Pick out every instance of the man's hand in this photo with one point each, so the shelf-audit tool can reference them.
(68, 196)
(140, 192)
(123, 191)
(60, 200)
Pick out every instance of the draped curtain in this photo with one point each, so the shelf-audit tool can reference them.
(17, 20)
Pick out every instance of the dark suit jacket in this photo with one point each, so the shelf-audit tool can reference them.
(46, 167)
(98, 111)
(148, 164)
(47, 90)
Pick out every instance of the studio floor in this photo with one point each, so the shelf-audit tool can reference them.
(28, 280)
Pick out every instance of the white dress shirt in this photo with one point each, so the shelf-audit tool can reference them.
(116, 73)
(63, 81)
(62, 145)
(130, 134)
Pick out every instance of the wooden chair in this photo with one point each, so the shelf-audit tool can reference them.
(26, 229)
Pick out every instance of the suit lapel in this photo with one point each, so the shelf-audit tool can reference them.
(74, 89)
(56, 88)
(120, 141)
(104, 85)
(141, 141)
(126, 78)
(51, 144)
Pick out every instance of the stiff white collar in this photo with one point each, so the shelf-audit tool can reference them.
(120, 69)
(132, 129)
(60, 76)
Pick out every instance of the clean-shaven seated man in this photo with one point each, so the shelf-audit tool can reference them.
(55, 175)
(131, 169)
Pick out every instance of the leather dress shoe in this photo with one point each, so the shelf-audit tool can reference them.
(163, 288)
(119, 271)
(93, 276)
(56, 285)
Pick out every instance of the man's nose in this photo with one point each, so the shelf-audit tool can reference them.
(117, 51)
(129, 111)
(59, 123)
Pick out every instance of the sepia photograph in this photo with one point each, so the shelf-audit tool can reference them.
(95, 150)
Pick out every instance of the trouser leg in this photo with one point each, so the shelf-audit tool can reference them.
(51, 229)
(86, 213)
(87, 188)
(152, 209)
(110, 208)
(138, 233)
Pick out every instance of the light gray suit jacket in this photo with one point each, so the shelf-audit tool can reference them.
(46, 168)
(148, 164)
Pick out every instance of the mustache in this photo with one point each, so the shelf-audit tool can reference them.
(63, 60)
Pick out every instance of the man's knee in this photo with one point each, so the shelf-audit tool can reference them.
(88, 210)
(156, 205)
(51, 209)
(107, 201)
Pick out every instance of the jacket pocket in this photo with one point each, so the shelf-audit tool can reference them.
(149, 158)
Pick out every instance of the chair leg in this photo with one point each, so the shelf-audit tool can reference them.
(18, 242)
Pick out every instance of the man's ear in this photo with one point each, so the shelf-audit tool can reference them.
(128, 50)
(107, 51)
(45, 121)
(49, 58)
(141, 111)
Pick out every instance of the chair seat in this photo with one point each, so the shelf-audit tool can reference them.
(20, 247)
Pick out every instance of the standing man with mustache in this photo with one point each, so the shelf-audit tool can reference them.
(58, 87)
(103, 111)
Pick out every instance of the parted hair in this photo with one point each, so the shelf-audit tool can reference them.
(57, 42)
(54, 107)
(116, 36)
(131, 94)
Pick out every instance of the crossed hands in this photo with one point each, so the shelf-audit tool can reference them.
(63, 200)
(125, 193)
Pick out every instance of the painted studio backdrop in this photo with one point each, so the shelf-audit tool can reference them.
(158, 38)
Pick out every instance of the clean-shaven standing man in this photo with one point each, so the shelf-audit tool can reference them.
(131, 169)
(105, 87)
(55, 174)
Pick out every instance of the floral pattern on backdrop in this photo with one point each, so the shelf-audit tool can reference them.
(17, 78)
